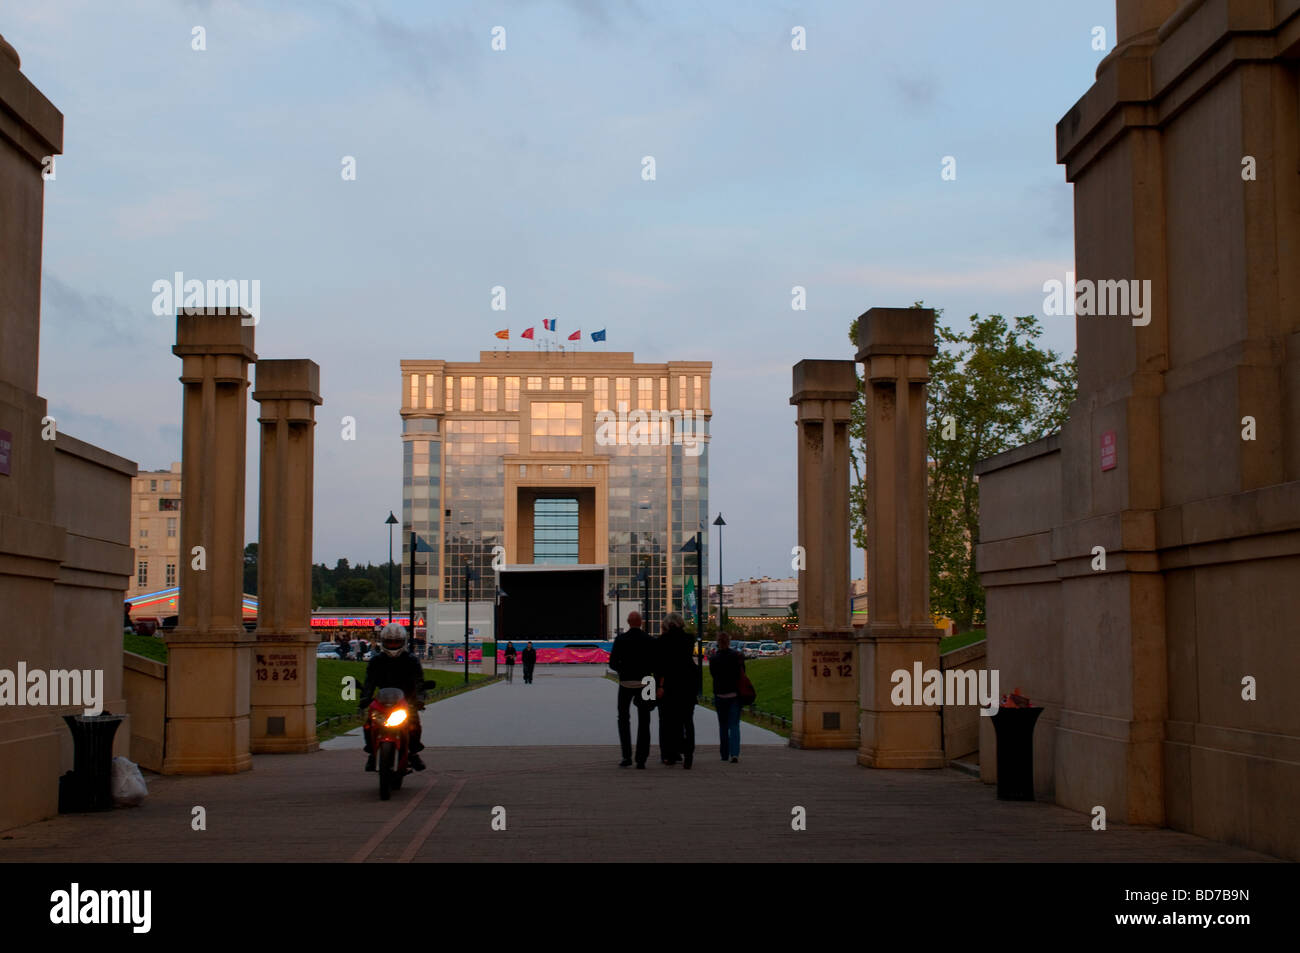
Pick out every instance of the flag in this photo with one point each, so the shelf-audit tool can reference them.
(575, 336)
(548, 324)
(528, 334)
(688, 596)
(598, 335)
(504, 335)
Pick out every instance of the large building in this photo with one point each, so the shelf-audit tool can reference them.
(155, 531)
(554, 457)
(765, 593)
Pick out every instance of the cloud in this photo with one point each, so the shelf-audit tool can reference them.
(917, 92)
(1004, 276)
(164, 214)
(65, 308)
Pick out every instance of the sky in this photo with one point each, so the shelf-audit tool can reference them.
(522, 168)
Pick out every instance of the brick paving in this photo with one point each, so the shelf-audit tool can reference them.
(575, 804)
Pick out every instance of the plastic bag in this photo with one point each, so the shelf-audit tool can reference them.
(129, 788)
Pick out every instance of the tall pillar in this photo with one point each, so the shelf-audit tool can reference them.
(825, 649)
(895, 346)
(209, 652)
(284, 663)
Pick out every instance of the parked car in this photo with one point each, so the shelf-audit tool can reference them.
(767, 649)
(329, 650)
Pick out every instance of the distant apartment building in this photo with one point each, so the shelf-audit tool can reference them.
(765, 593)
(155, 530)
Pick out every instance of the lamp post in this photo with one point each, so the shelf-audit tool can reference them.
(719, 523)
(496, 625)
(617, 593)
(469, 577)
(391, 521)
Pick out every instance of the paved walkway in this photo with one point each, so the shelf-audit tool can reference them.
(565, 705)
(576, 804)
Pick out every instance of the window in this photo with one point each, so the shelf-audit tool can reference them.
(623, 391)
(591, 471)
(467, 393)
(534, 383)
(512, 393)
(556, 427)
(699, 392)
(523, 469)
(557, 383)
(601, 393)
(167, 486)
(428, 392)
(153, 486)
(663, 393)
(490, 394)
(645, 393)
(450, 399)
(171, 527)
(167, 505)
(144, 533)
(142, 573)
(681, 392)
(171, 574)
(415, 390)
(579, 383)
(555, 530)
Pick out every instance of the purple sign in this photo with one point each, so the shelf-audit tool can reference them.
(6, 449)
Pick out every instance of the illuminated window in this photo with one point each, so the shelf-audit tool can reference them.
(557, 383)
(467, 393)
(601, 393)
(449, 401)
(663, 393)
(556, 427)
(512, 393)
(645, 393)
(490, 394)
(534, 383)
(415, 390)
(681, 392)
(171, 574)
(699, 394)
(579, 383)
(428, 392)
(623, 391)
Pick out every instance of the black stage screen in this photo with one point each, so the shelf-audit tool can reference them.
(553, 604)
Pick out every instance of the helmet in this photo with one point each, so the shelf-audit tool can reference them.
(393, 638)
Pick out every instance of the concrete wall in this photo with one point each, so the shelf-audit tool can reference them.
(961, 728)
(144, 685)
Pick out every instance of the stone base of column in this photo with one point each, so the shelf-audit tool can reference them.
(898, 735)
(283, 697)
(207, 703)
(825, 689)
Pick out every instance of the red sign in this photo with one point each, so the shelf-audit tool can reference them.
(6, 448)
(1108, 448)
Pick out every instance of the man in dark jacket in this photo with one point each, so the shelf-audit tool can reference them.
(678, 680)
(394, 667)
(530, 661)
(632, 657)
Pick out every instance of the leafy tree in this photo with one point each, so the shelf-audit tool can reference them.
(992, 388)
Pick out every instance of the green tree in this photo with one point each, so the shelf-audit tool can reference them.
(992, 388)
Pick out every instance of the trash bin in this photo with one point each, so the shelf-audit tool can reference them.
(88, 786)
(1014, 728)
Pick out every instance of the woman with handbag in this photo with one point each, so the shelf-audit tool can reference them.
(730, 688)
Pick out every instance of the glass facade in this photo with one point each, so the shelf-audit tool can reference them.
(454, 480)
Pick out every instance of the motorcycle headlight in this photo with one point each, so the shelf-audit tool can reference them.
(396, 718)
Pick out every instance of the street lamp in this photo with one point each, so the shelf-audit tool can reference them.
(617, 593)
(719, 523)
(469, 577)
(496, 624)
(391, 521)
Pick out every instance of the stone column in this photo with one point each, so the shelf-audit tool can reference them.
(825, 649)
(284, 662)
(895, 346)
(209, 652)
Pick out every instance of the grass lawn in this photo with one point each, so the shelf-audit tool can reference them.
(961, 641)
(329, 681)
(772, 678)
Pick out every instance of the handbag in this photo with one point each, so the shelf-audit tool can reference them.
(745, 693)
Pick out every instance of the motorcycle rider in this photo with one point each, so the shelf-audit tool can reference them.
(395, 667)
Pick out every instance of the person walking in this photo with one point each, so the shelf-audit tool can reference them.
(530, 661)
(726, 666)
(632, 657)
(678, 686)
(510, 661)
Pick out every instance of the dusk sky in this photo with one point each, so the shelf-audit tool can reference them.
(522, 168)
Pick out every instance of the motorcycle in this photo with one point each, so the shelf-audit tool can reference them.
(390, 720)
